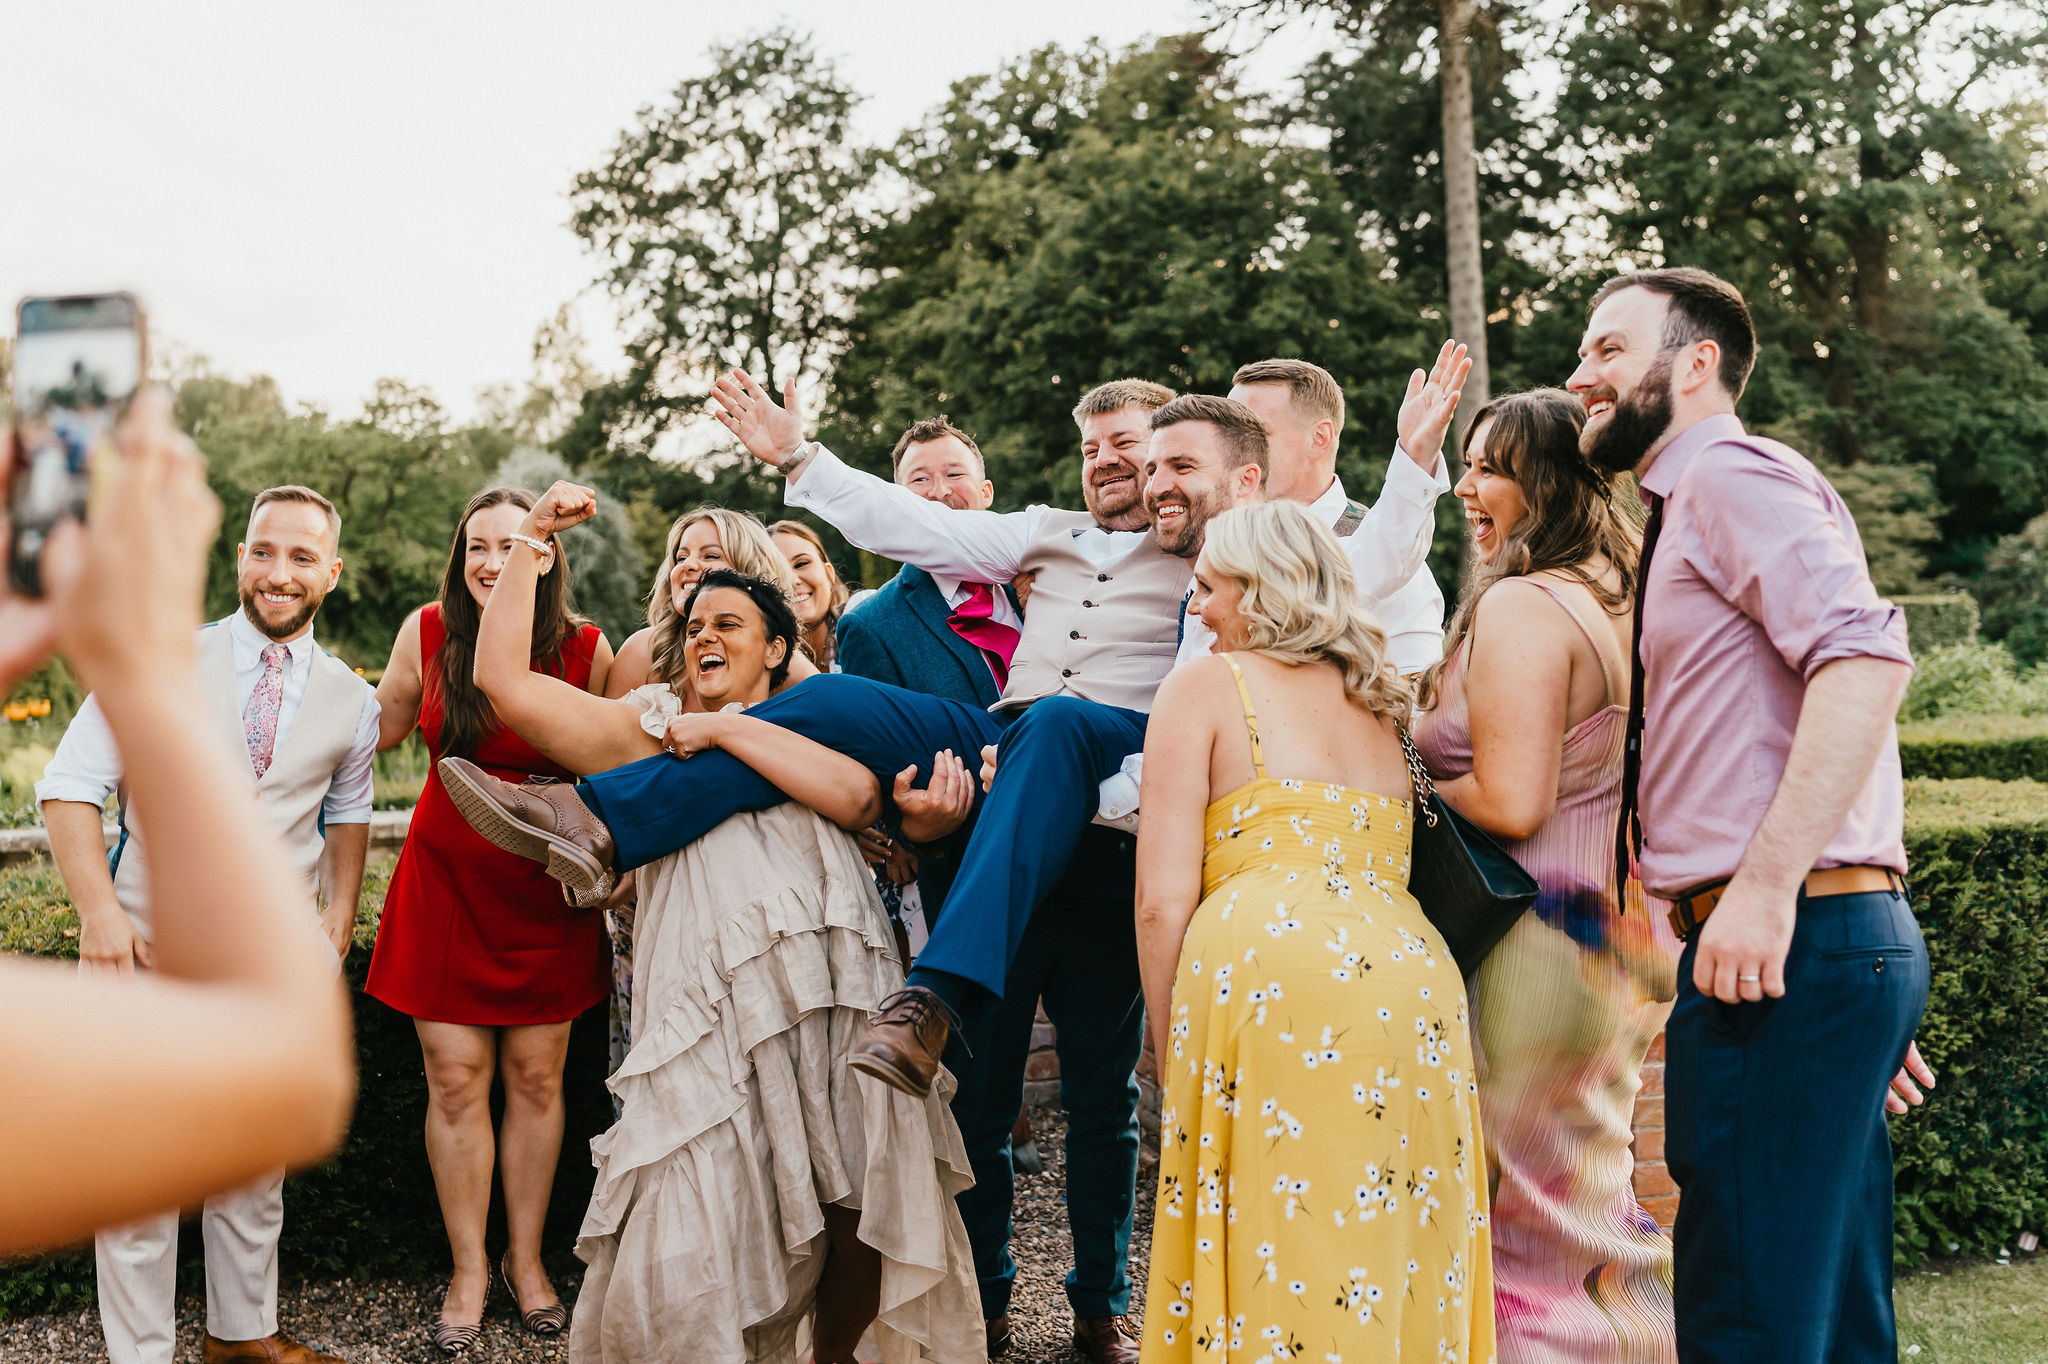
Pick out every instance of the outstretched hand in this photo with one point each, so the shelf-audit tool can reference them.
(1432, 398)
(770, 432)
(563, 505)
(942, 806)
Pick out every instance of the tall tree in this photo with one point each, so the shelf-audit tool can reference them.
(724, 217)
(1455, 29)
(1082, 217)
(1819, 154)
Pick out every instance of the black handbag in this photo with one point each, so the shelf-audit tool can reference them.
(1467, 884)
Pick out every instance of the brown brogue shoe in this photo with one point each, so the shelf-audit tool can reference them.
(901, 1047)
(545, 822)
(273, 1349)
(998, 1329)
(1107, 1340)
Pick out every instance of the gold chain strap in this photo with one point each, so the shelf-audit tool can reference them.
(1418, 776)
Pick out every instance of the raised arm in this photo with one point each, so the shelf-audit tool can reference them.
(401, 689)
(873, 513)
(1175, 796)
(568, 725)
(1393, 541)
(807, 772)
(238, 1046)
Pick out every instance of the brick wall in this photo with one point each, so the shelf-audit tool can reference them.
(1659, 1196)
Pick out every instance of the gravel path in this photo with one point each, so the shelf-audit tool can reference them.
(381, 1321)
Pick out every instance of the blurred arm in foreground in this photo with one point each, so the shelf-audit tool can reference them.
(129, 1096)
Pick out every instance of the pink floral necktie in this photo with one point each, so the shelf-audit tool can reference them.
(974, 621)
(259, 717)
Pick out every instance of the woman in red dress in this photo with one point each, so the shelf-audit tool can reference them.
(478, 946)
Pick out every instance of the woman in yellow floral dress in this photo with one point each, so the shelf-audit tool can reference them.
(1321, 1191)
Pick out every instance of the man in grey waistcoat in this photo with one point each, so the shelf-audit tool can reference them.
(307, 727)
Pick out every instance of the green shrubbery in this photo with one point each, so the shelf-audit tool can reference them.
(372, 1209)
(1972, 1165)
(1939, 622)
(1998, 747)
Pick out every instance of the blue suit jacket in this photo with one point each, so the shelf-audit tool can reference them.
(900, 636)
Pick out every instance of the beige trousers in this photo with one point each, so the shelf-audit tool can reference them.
(138, 1274)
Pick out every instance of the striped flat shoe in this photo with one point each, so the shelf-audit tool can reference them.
(547, 1322)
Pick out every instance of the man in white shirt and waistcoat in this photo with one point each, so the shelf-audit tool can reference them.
(307, 727)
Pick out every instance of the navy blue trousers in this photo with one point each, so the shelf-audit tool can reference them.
(1080, 954)
(1054, 756)
(1775, 1133)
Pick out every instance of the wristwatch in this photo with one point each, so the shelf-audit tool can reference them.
(800, 458)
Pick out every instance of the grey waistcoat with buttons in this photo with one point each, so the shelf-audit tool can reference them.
(1105, 632)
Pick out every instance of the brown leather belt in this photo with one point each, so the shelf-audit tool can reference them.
(1690, 909)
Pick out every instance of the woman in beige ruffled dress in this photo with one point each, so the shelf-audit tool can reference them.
(757, 1199)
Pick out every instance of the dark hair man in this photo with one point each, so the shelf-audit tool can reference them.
(271, 683)
(1763, 760)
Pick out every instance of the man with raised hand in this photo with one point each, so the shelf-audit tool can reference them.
(1762, 758)
(306, 727)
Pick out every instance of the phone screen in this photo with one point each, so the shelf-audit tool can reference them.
(77, 362)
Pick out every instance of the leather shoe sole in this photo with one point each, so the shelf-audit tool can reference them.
(587, 880)
(891, 1074)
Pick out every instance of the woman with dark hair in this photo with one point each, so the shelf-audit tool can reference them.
(1522, 727)
(818, 594)
(756, 1194)
(477, 946)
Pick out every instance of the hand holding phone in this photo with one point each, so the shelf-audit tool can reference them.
(78, 362)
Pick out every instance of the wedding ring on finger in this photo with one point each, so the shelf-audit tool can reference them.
(1749, 979)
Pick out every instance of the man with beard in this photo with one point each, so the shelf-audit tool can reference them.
(308, 727)
(1763, 762)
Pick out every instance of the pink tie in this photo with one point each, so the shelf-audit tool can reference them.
(974, 621)
(259, 717)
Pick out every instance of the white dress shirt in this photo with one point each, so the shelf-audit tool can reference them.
(87, 765)
(955, 592)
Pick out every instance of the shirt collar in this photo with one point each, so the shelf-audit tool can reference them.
(949, 588)
(1669, 466)
(1329, 508)
(249, 643)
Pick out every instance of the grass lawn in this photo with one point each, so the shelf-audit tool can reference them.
(1971, 1312)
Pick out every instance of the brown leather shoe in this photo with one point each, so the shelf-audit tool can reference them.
(998, 1329)
(545, 822)
(277, 1349)
(901, 1047)
(1107, 1340)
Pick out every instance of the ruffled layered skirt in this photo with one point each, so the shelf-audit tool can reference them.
(761, 953)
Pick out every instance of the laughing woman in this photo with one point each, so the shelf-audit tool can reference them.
(484, 956)
(819, 596)
(757, 1197)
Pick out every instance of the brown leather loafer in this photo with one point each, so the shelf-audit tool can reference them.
(277, 1349)
(998, 1329)
(901, 1047)
(545, 822)
(1106, 1340)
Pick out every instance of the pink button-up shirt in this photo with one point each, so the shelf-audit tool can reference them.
(1757, 581)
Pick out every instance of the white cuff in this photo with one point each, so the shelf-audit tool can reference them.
(1406, 479)
(1117, 797)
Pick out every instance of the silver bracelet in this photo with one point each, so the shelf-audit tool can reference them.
(799, 459)
(540, 547)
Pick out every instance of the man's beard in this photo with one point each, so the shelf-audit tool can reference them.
(1637, 422)
(1111, 504)
(1185, 542)
(252, 607)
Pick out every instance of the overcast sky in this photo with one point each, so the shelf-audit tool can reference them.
(333, 193)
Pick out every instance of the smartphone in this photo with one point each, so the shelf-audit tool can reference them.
(77, 362)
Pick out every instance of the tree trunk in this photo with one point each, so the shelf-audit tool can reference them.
(1461, 198)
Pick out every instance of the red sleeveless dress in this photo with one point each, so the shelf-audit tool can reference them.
(471, 934)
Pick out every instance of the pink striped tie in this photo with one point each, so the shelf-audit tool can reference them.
(974, 621)
(259, 717)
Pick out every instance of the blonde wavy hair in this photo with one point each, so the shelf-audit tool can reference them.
(1300, 601)
(747, 549)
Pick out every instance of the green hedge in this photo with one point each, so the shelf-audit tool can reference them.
(1972, 1164)
(1997, 747)
(1935, 622)
(372, 1209)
